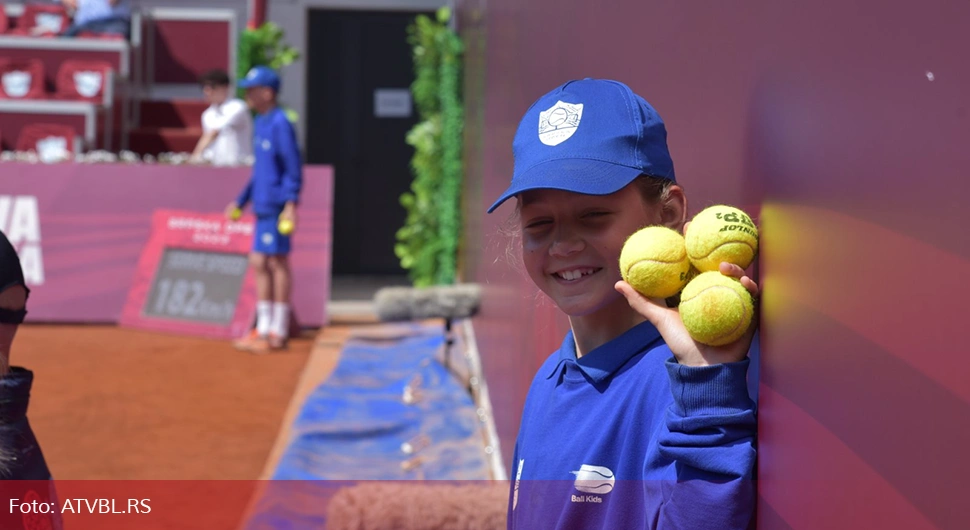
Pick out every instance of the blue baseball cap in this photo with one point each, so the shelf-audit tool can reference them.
(261, 76)
(591, 136)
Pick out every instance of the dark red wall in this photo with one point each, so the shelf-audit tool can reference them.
(846, 124)
(186, 49)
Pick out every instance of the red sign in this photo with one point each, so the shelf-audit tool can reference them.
(193, 277)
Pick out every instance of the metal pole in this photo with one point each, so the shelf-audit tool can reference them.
(257, 13)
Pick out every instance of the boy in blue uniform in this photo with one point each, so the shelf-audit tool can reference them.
(274, 190)
(631, 424)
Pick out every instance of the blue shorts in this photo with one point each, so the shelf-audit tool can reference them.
(267, 238)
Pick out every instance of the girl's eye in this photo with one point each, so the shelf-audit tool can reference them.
(536, 224)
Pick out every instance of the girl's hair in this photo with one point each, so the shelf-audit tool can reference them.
(654, 190)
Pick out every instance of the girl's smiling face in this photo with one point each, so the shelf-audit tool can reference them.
(571, 243)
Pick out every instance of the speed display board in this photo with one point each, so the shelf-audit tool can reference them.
(193, 277)
(196, 286)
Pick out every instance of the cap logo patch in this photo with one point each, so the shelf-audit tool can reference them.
(559, 122)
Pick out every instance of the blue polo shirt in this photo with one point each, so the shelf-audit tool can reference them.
(277, 175)
(626, 438)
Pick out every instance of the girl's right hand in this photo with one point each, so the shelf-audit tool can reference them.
(668, 322)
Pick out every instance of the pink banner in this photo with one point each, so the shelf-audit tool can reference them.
(80, 230)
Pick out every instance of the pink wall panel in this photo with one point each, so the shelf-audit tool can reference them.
(846, 125)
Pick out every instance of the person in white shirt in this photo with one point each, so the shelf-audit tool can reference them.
(227, 125)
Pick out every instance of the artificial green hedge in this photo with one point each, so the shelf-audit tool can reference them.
(428, 242)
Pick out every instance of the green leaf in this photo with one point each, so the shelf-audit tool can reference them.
(444, 14)
(263, 46)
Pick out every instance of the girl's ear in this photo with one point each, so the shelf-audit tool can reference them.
(673, 209)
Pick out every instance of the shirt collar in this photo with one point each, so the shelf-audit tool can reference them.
(604, 361)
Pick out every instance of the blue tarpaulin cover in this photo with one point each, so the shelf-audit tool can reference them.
(352, 427)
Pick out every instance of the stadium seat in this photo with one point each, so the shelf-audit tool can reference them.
(82, 80)
(21, 79)
(4, 21)
(50, 141)
(52, 17)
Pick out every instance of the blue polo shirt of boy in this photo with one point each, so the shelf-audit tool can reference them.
(625, 437)
(277, 178)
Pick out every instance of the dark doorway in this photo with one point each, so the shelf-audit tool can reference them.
(359, 110)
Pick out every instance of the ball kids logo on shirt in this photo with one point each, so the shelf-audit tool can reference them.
(20, 221)
(593, 480)
(559, 122)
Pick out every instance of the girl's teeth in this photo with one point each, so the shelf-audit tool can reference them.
(572, 275)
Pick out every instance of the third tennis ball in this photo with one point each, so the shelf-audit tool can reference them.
(716, 309)
(721, 233)
(654, 262)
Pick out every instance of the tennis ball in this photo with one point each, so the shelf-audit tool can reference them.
(654, 262)
(236, 214)
(285, 226)
(721, 233)
(716, 309)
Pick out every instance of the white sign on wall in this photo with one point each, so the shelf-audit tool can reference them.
(392, 103)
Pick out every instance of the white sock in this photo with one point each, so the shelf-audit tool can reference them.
(281, 319)
(264, 317)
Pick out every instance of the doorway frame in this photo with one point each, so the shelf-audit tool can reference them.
(293, 16)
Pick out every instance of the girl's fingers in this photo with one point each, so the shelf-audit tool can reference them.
(652, 310)
(752, 287)
(734, 271)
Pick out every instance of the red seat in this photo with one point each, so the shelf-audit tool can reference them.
(82, 80)
(21, 79)
(49, 140)
(52, 17)
(4, 21)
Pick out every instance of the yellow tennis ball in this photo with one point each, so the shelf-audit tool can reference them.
(236, 214)
(721, 233)
(654, 262)
(716, 309)
(285, 226)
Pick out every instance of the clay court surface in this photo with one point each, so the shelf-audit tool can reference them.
(121, 404)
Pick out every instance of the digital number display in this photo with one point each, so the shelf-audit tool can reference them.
(196, 286)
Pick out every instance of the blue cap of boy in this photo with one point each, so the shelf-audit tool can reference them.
(261, 76)
(591, 136)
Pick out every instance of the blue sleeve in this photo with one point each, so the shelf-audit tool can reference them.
(289, 152)
(246, 193)
(710, 438)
